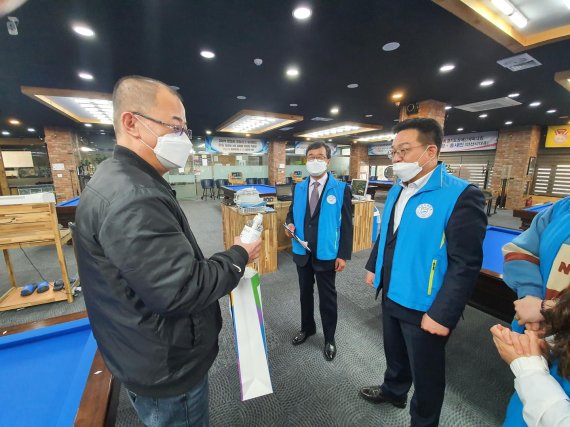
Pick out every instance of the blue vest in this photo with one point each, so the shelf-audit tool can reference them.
(553, 237)
(328, 234)
(420, 256)
(514, 417)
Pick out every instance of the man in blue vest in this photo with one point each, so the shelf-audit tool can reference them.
(426, 260)
(321, 215)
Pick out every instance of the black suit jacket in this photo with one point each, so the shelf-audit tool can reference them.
(464, 233)
(311, 233)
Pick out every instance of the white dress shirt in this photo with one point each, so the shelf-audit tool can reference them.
(545, 404)
(405, 195)
(322, 180)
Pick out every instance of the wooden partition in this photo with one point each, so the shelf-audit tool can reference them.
(362, 224)
(233, 223)
(28, 225)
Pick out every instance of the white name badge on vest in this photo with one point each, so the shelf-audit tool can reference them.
(331, 200)
(425, 210)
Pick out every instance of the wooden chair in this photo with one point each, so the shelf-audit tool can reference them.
(28, 225)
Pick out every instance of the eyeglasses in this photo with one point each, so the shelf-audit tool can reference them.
(401, 152)
(178, 130)
(322, 158)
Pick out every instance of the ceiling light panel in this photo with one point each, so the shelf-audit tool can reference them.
(81, 106)
(339, 129)
(256, 122)
(377, 137)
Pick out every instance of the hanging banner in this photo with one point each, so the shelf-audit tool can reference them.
(470, 142)
(231, 145)
(381, 149)
(301, 147)
(558, 136)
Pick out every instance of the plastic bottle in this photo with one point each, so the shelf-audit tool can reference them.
(252, 230)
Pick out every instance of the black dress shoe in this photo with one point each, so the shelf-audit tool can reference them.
(330, 350)
(301, 337)
(375, 394)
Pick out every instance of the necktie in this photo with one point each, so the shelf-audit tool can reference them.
(314, 200)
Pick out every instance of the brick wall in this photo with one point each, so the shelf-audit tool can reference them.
(276, 158)
(358, 157)
(514, 149)
(429, 109)
(61, 148)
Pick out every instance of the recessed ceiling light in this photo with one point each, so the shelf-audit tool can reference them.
(85, 76)
(396, 120)
(292, 72)
(301, 13)
(514, 95)
(563, 117)
(352, 86)
(293, 105)
(459, 129)
(5, 132)
(258, 61)
(508, 123)
(397, 95)
(534, 104)
(88, 125)
(31, 130)
(551, 111)
(482, 116)
(14, 122)
(446, 68)
(389, 47)
(83, 30)
(247, 134)
(334, 110)
(486, 83)
(330, 140)
(208, 54)
(368, 115)
(448, 107)
(241, 97)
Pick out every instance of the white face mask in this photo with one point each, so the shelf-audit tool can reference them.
(171, 150)
(316, 167)
(408, 170)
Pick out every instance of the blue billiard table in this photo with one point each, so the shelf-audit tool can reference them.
(53, 375)
(527, 214)
(66, 211)
(491, 294)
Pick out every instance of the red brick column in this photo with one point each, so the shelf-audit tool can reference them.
(61, 149)
(4, 188)
(514, 149)
(277, 152)
(429, 109)
(358, 157)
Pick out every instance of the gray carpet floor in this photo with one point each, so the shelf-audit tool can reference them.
(308, 391)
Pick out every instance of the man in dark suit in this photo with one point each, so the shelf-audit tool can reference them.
(321, 215)
(426, 260)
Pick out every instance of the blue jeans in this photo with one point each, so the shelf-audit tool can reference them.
(185, 410)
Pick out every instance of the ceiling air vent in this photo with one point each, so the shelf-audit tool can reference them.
(490, 104)
(519, 62)
(321, 119)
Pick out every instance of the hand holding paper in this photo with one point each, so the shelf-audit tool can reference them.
(291, 231)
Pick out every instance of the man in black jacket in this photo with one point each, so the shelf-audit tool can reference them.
(151, 295)
(426, 260)
(320, 214)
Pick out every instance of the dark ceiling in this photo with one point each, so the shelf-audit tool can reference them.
(340, 44)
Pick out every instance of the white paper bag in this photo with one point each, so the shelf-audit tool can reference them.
(247, 315)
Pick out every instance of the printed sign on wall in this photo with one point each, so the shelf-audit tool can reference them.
(558, 136)
(301, 147)
(470, 142)
(231, 145)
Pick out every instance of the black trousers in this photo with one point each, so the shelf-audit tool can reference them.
(413, 355)
(327, 297)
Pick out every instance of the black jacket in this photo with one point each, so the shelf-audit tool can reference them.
(151, 296)
(311, 233)
(464, 235)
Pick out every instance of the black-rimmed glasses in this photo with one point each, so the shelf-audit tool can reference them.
(178, 130)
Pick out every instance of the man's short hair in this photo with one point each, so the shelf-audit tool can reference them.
(429, 130)
(135, 93)
(316, 146)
